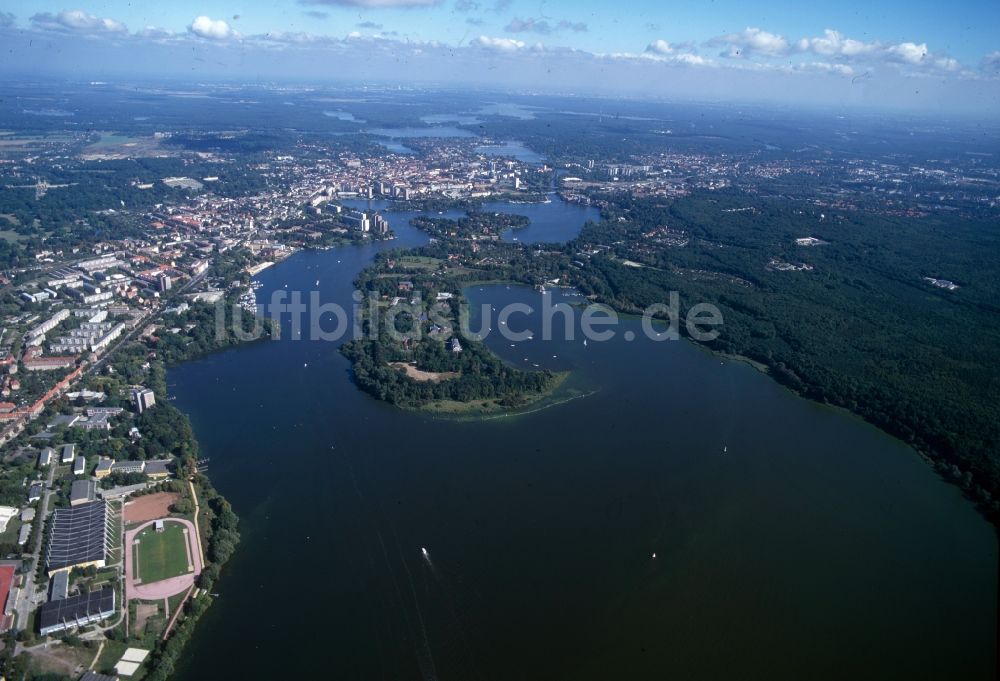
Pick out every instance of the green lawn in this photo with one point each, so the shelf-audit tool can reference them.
(161, 555)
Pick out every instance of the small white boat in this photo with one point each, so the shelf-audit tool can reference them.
(317, 282)
(725, 449)
(423, 551)
(584, 342)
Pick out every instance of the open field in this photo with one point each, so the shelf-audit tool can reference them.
(423, 376)
(150, 507)
(418, 262)
(59, 659)
(161, 555)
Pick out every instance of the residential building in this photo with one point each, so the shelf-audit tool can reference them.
(45, 457)
(158, 470)
(126, 467)
(103, 469)
(143, 399)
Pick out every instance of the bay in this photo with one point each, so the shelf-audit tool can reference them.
(792, 540)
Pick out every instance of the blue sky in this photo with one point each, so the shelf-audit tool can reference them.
(920, 53)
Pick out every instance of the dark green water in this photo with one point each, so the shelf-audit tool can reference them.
(815, 547)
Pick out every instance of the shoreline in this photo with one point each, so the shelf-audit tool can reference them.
(476, 410)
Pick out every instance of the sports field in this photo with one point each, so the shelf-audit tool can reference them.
(161, 555)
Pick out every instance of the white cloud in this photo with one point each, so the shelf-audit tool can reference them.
(762, 48)
(665, 53)
(690, 60)
(518, 25)
(293, 38)
(211, 29)
(832, 43)
(77, 21)
(660, 47)
(910, 53)
(498, 44)
(750, 41)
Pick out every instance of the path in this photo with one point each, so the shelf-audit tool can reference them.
(180, 609)
(98, 655)
(197, 530)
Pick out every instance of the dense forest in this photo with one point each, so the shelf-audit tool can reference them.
(478, 373)
(862, 329)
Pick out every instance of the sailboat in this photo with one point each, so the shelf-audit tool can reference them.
(584, 342)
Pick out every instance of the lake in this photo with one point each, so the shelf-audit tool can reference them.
(396, 148)
(434, 131)
(792, 540)
(514, 150)
(557, 221)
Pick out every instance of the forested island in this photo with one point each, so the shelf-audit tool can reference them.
(427, 364)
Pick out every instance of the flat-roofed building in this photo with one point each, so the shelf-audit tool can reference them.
(158, 470)
(46, 456)
(60, 586)
(127, 467)
(68, 453)
(76, 611)
(79, 465)
(94, 676)
(78, 537)
(143, 399)
(82, 492)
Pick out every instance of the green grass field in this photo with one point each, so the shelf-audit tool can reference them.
(161, 555)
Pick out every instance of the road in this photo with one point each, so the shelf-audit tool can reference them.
(27, 599)
(128, 336)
